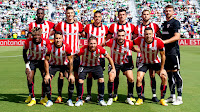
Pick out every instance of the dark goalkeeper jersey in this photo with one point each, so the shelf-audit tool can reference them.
(168, 30)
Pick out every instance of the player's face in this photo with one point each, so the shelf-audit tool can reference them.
(40, 14)
(92, 45)
(122, 16)
(58, 39)
(146, 16)
(120, 37)
(70, 14)
(97, 18)
(169, 12)
(37, 36)
(148, 34)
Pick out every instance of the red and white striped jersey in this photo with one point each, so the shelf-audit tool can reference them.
(70, 33)
(99, 32)
(139, 29)
(59, 54)
(149, 51)
(46, 28)
(36, 51)
(91, 58)
(128, 27)
(119, 52)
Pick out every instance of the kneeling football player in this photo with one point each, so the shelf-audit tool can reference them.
(61, 60)
(90, 63)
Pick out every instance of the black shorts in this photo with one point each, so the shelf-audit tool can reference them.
(54, 68)
(76, 64)
(102, 63)
(118, 67)
(144, 67)
(172, 62)
(130, 62)
(37, 64)
(97, 72)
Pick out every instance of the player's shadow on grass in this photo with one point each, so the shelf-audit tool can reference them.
(16, 98)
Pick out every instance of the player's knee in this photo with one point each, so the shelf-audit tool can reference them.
(101, 80)
(61, 75)
(131, 79)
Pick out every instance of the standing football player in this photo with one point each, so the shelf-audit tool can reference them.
(170, 36)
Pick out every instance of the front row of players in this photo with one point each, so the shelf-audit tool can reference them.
(56, 56)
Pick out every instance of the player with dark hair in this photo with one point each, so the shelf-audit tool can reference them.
(170, 36)
(37, 49)
(129, 31)
(61, 60)
(90, 63)
(70, 30)
(46, 26)
(120, 47)
(139, 31)
(150, 46)
(98, 30)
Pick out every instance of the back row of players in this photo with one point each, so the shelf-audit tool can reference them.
(64, 55)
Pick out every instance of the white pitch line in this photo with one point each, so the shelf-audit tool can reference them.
(10, 56)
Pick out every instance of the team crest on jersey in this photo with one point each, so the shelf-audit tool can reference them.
(102, 34)
(75, 31)
(96, 55)
(168, 25)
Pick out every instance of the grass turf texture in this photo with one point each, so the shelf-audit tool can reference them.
(13, 87)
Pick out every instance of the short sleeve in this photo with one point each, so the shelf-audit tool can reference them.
(136, 30)
(30, 27)
(81, 51)
(130, 45)
(103, 51)
(87, 29)
(58, 27)
(109, 43)
(132, 28)
(137, 41)
(106, 30)
(80, 27)
(176, 27)
(51, 24)
(26, 44)
(111, 29)
(156, 28)
(161, 46)
(68, 49)
(48, 49)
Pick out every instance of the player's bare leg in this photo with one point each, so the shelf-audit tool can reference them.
(139, 88)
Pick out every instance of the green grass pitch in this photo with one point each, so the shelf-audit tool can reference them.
(13, 87)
